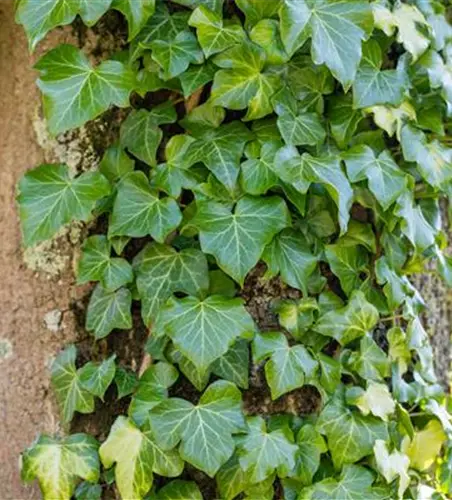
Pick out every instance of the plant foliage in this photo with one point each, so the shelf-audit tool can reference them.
(310, 135)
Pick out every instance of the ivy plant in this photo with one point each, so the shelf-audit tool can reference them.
(308, 137)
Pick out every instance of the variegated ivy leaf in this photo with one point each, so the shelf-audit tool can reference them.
(243, 83)
(374, 86)
(203, 330)
(214, 34)
(296, 317)
(96, 377)
(263, 452)
(70, 393)
(391, 465)
(354, 320)
(288, 368)
(376, 399)
(108, 310)
(151, 390)
(205, 430)
(162, 271)
(175, 55)
(59, 464)
(350, 435)
(96, 264)
(434, 161)
(257, 174)
(220, 149)
(38, 17)
(337, 31)
(178, 490)
(256, 10)
(237, 239)
(137, 456)
(140, 132)
(290, 255)
(138, 210)
(137, 13)
(49, 197)
(386, 180)
(311, 445)
(74, 92)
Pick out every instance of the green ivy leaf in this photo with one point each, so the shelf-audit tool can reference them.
(370, 362)
(257, 175)
(137, 455)
(237, 239)
(115, 163)
(49, 198)
(108, 310)
(96, 377)
(386, 180)
(234, 365)
(288, 368)
(70, 393)
(138, 210)
(74, 92)
(88, 491)
(203, 330)
(327, 23)
(266, 34)
(215, 35)
(344, 119)
(351, 436)
(162, 271)
(213, 5)
(126, 381)
(96, 264)
(307, 459)
(137, 13)
(354, 320)
(195, 77)
(205, 430)
(59, 463)
(264, 452)
(256, 10)
(178, 490)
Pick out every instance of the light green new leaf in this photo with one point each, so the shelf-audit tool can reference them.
(386, 180)
(162, 271)
(373, 86)
(137, 455)
(140, 133)
(178, 490)
(376, 399)
(266, 34)
(234, 365)
(307, 459)
(49, 198)
(220, 149)
(58, 464)
(108, 310)
(137, 13)
(115, 163)
(66, 383)
(213, 5)
(205, 430)
(350, 435)
(237, 239)
(434, 161)
(262, 452)
(290, 255)
(96, 264)
(203, 330)
(174, 56)
(257, 175)
(256, 10)
(215, 35)
(138, 211)
(74, 92)
(347, 262)
(288, 367)
(337, 30)
(242, 83)
(354, 320)
(96, 377)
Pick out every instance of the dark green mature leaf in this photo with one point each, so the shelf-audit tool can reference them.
(74, 92)
(126, 381)
(138, 210)
(354, 320)
(205, 430)
(70, 393)
(307, 459)
(178, 490)
(234, 365)
(351, 436)
(264, 452)
(88, 491)
(370, 362)
(115, 163)
(137, 13)
(237, 239)
(108, 310)
(137, 455)
(49, 197)
(161, 271)
(203, 330)
(348, 263)
(337, 30)
(257, 174)
(386, 180)
(59, 463)
(96, 377)
(344, 119)
(288, 367)
(196, 76)
(290, 255)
